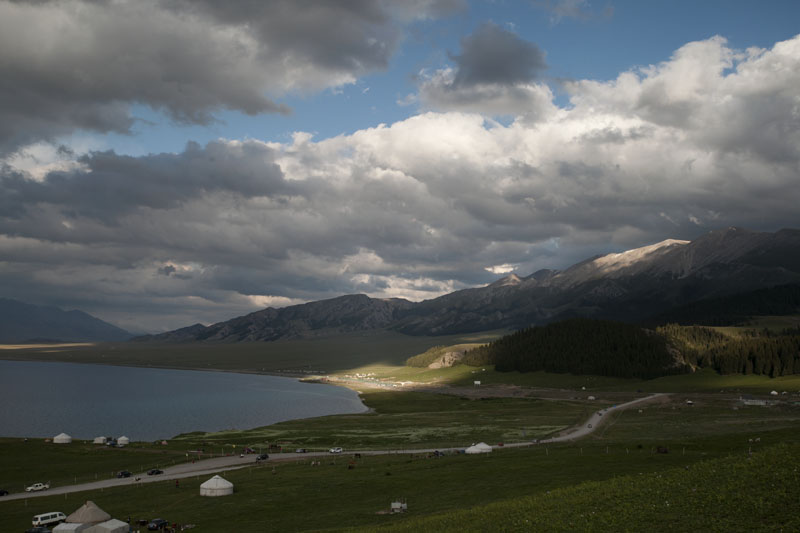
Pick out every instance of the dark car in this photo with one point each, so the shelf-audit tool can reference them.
(37, 529)
(154, 472)
(3, 492)
(123, 473)
(156, 524)
(262, 457)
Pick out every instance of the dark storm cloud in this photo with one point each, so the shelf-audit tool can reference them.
(496, 56)
(496, 73)
(80, 64)
(109, 185)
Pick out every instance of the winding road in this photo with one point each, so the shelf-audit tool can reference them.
(221, 464)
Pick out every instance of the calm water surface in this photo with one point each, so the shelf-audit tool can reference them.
(86, 401)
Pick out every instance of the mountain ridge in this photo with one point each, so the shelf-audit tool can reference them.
(627, 286)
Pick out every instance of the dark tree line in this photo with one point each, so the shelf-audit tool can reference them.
(581, 346)
(762, 352)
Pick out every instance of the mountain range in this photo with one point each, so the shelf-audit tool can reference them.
(628, 286)
(22, 322)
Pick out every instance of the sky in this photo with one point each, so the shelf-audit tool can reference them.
(168, 162)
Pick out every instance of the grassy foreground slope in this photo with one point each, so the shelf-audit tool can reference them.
(736, 493)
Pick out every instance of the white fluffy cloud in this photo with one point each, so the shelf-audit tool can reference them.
(417, 208)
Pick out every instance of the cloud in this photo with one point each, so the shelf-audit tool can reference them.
(574, 9)
(496, 73)
(81, 64)
(706, 139)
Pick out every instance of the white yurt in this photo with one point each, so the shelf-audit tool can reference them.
(109, 526)
(100, 440)
(216, 486)
(123, 440)
(62, 438)
(481, 447)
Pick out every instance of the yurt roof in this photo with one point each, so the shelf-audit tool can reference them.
(88, 513)
(62, 436)
(216, 482)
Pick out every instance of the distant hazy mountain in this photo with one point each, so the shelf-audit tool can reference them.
(338, 315)
(21, 322)
(629, 286)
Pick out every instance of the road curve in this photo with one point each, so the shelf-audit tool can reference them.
(221, 464)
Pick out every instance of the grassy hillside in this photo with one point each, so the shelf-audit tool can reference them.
(736, 493)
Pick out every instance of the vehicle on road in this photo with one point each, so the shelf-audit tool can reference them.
(300, 450)
(156, 524)
(36, 487)
(48, 519)
(123, 473)
(3, 492)
(336, 450)
(589, 426)
(154, 472)
(262, 457)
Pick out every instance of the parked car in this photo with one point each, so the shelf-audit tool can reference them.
(3, 492)
(123, 473)
(300, 450)
(36, 487)
(336, 450)
(262, 457)
(48, 519)
(156, 524)
(154, 472)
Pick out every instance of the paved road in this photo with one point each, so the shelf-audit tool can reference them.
(221, 464)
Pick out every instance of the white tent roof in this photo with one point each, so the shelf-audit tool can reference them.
(123, 440)
(217, 482)
(62, 437)
(110, 526)
(216, 486)
(481, 447)
(88, 513)
(70, 528)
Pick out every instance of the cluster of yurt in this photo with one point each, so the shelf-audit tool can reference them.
(62, 438)
(89, 518)
(481, 447)
(216, 486)
(122, 441)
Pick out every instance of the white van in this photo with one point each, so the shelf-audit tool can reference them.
(46, 519)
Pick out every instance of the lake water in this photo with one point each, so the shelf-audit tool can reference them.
(86, 401)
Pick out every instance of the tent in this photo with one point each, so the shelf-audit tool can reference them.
(123, 440)
(481, 447)
(100, 440)
(110, 526)
(216, 486)
(62, 438)
(70, 528)
(88, 513)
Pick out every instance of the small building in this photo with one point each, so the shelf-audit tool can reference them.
(89, 518)
(62, 438)
(476, 382)
(100, 440)
(689, 402)
(774, 393)
(591, 398)
(123, 440)
(216, 486)
(398, 506)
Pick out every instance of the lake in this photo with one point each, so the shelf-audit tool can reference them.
(85, 401)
